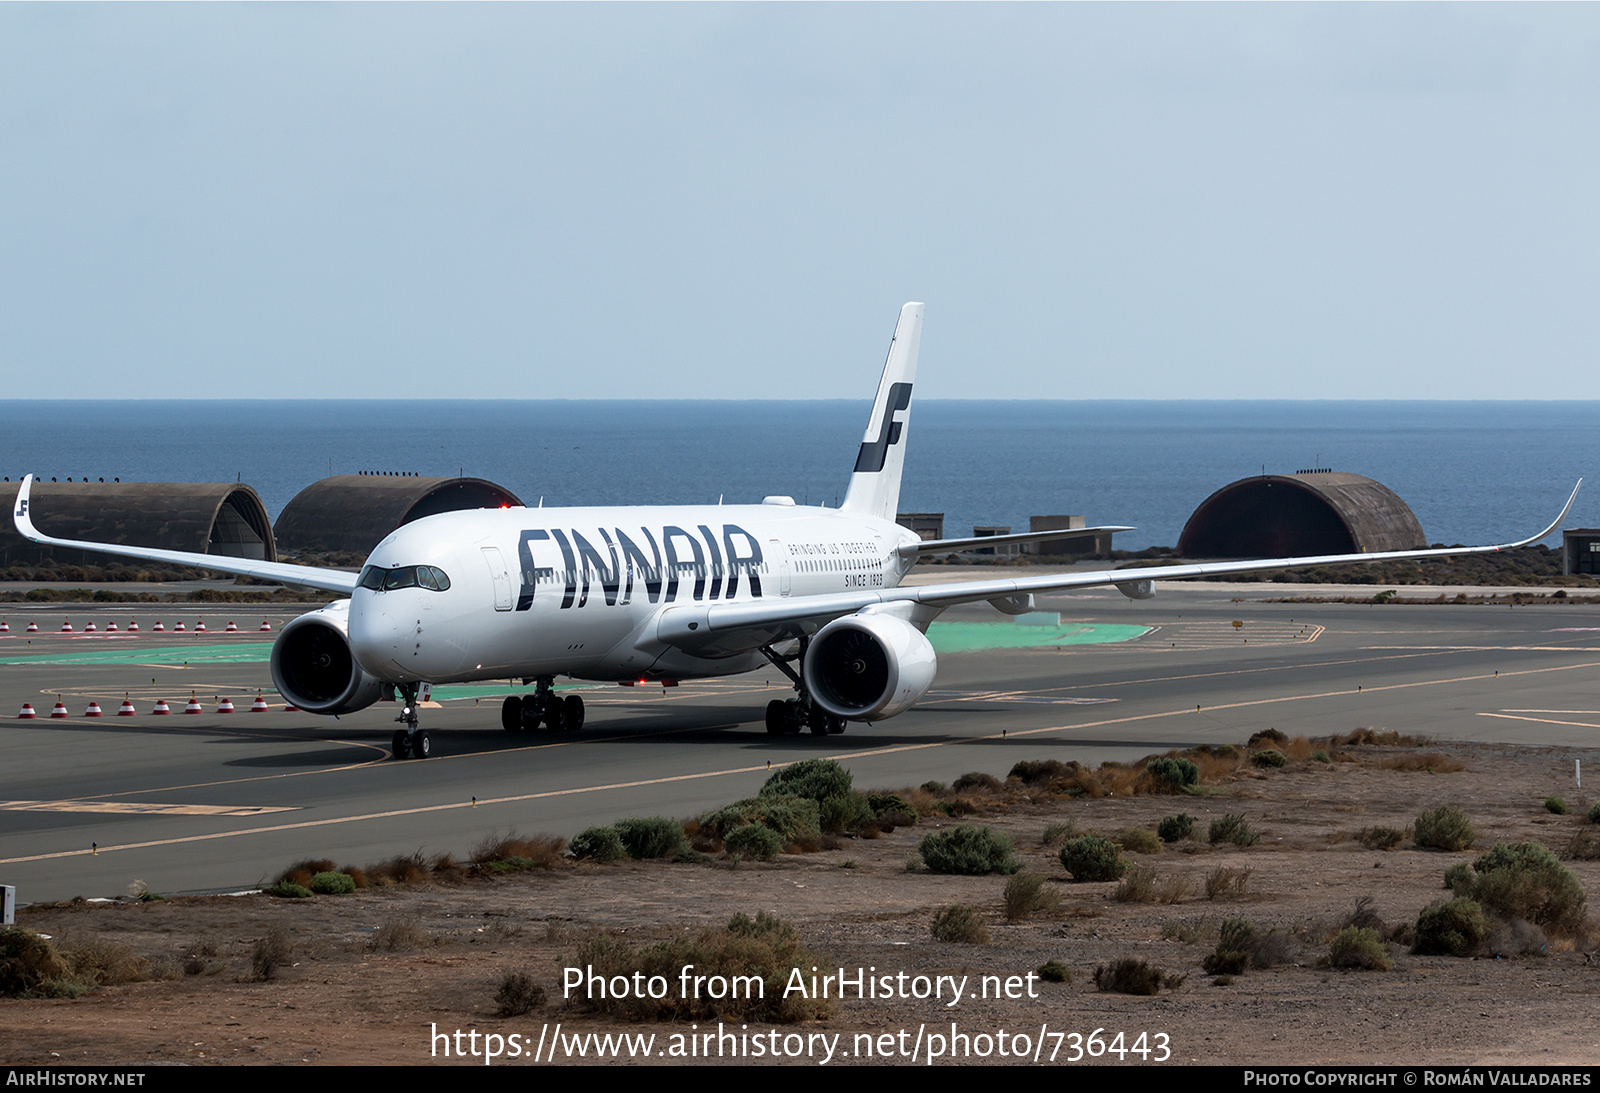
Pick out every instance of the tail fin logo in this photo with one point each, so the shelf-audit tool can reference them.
(874, 452)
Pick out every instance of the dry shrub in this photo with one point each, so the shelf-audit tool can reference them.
(399, 935)
(1299, 748)
(1225, 882)
(1515, 937)
(1133, 977)
(1138, 840)
(271, 953)
(1380, 838)
(1059, 832)
(1363, 917)
(1359, 949)
(521, 851)
(1443, 828)
(1174, 888)
(1026, 894)
(766, 948)
(1138, 885)
(98, 962)
(960, 923)
(1585, 845)
(1216, 766)
(400, 869)
(1433, 762)
(1374, 738)
(447, 869)
(518, 994)
(28, 963)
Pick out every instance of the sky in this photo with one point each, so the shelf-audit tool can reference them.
(553, 201)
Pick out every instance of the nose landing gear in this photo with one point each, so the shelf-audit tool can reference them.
(410, 742)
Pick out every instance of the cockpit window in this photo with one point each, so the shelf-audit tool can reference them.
(407, 576)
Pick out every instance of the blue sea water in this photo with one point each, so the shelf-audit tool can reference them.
(1472, 471)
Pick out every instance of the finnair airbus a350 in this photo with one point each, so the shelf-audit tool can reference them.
(660, 593)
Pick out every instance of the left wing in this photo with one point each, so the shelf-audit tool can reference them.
(330, 580)
(728, 627)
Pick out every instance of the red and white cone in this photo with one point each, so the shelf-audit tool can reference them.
(111, 628)
(27, 713)
(5, 627)
(259, 705)
(199, 626)
(133, 626)
(93, 710)
(60, 712)
(178, 627)
(161, 707)
(225, 706)
(66, 626)
(89, 629)
(33, 628)
(264, 628)
(230, 629)
(126, 709)
(158, 627)
(194, 705)
(290, 707)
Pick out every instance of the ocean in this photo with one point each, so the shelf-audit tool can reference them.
(1474, 472)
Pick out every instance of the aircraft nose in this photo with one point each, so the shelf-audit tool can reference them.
(377, 635)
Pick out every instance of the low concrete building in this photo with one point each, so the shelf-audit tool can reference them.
(927, 525)
(1580, 551)
(1096, 545)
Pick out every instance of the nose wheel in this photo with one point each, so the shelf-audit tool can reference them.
(411, 741)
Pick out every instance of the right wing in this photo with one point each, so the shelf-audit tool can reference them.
(721, 629)
(330, 580)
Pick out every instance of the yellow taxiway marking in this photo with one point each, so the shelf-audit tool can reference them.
(141, 808)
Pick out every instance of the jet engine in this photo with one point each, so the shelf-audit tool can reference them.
(313, 668)
(868, 667)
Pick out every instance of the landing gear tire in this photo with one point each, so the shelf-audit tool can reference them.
(574, 713)
(511, 714)
(819, 721)
(836, 725)
(401, 744)
(421, 746)
(556, 716)
(528, 712)
(777, 717)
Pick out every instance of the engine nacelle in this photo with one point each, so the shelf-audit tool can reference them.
(313, 668)
(868, 667)
(1137, 590)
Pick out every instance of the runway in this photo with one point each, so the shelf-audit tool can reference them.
(218, 802)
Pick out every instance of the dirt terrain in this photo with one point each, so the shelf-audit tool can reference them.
(372, 975)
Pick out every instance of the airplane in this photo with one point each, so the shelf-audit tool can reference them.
(663, 593)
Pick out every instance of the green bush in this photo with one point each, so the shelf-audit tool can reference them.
(1556, 805)
(1443, 828)
(333, 884)
(1090, 858)
(815, 779)
(891, 804)
(1360, 948)
(1594, 813)
(1139, 840)
(598, 844)
(969, 850)
(1231, 828)
(1175, 774)
(518, 994)
(650, 836)
(794, 818)
(1059, 832)
(1232, 954)
(286, 889)
(844, 812)
(1525, 880)
(1458, 878)
(1269, 757)
(1267, 736)
(1455, 928)
(960, 923)
(975, 779)
(1320, 756)
(753, 841)
(1173, 829)
(1025, 894)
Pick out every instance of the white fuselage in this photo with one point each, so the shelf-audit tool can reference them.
(577, 592)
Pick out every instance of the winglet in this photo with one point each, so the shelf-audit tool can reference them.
(1553, 524)
(19, 515)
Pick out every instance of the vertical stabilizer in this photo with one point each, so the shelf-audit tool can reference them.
(875, 485)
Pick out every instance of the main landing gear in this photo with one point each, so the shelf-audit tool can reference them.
(525, 713)
(410, 742)
(788, 716)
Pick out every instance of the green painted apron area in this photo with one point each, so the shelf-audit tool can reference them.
(244, 652)
(970, 637)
